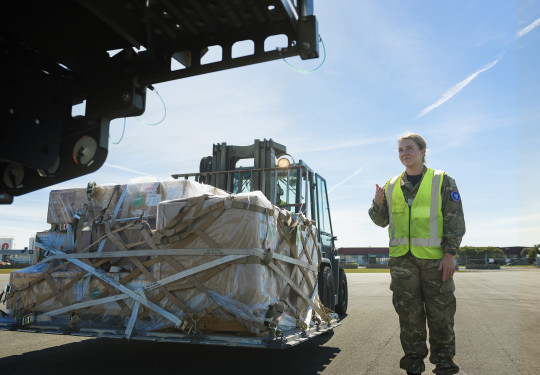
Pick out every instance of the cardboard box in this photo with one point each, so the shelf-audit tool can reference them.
(122, 201)
(232, 295)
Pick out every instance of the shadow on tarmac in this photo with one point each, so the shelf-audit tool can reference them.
(115, 356)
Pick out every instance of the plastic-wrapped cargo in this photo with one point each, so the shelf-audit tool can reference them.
(50, 287)
(72, 211)
(215, 263)
(240, 291)
(140, 197)
(124, 201)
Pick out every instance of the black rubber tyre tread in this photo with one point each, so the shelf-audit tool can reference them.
(343, 293)
(326, 288)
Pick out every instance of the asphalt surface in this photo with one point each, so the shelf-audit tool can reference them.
(497, 329)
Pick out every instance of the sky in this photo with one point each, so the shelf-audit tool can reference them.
(463, 74)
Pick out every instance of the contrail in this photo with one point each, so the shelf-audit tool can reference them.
(345, 180)
(528, 29)
(455, 89)
(126, 169)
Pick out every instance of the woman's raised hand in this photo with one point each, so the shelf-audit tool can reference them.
(379, 195)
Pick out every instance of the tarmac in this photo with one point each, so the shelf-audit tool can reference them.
(497, 330)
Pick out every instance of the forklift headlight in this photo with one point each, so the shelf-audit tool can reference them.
(285, 161)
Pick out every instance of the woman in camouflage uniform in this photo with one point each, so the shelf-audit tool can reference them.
(423, 209)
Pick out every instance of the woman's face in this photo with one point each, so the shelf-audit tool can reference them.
(410, 154)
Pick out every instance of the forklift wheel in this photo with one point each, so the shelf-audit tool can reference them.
(343, 293)
(326, 288)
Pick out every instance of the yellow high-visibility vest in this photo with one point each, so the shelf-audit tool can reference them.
(417, 226)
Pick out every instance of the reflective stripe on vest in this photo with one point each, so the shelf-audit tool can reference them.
(420, 227)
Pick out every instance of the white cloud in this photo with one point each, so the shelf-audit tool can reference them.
(456, 89)
(528, 29)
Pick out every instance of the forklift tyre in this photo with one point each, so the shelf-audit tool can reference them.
(326, 288)
(343, 293)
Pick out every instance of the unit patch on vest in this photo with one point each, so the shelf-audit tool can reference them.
(455, 196)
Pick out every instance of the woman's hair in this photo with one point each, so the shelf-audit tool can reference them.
(420, 142)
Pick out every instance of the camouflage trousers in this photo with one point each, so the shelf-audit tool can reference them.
(419, 294)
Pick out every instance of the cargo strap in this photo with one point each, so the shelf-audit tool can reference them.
(274, 313)
(104, 210)
(58, 294)
(190, 223)
(253, 208)
(183, 234)
(158, 284)
(180, 323)
(44, 298)
(5, 293)
(172, 298)
(194, 212)
(194, 206)
(299, 291)
(109, 232)
(293, 246)
(294, 251)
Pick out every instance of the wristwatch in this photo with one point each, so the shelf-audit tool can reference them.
(451, 252)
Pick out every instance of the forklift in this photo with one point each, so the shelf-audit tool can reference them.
(287, 184)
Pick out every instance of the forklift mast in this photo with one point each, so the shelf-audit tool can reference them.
(225, 158)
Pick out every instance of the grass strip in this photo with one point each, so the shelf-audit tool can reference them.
(8, 270)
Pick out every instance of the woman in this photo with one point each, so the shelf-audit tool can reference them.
(422, 208)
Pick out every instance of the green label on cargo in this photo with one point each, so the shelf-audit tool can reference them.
(95, 293)
(138, 201)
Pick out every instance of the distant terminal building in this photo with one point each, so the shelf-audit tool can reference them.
(9, 255)
(364, 255)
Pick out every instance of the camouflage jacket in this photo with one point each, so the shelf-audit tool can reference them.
(452, 211)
